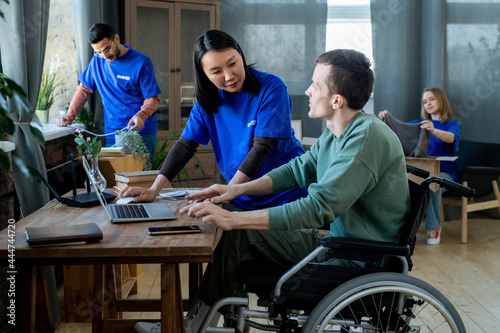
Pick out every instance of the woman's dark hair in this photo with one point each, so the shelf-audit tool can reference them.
(205, 91)
(350, 76)
(99, 31)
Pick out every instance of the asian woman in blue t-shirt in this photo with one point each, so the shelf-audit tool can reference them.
(437, 118)
(243, 112)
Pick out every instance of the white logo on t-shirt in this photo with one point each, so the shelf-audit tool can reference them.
(252, 123)
(123, 77)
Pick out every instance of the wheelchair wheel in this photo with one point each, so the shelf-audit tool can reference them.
(384, 302)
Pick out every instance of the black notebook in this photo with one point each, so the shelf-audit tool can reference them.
(89, 232)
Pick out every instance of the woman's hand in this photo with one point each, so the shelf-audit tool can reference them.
(140, 194)
(428, 125)
(218, 194)
(382, 114)
(208, 212)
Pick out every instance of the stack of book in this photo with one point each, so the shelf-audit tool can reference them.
(111, 152)
(135, 179)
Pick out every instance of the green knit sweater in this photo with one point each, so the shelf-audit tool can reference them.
(356, 182)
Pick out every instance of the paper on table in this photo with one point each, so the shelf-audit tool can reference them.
(177, 194)
(446, 158)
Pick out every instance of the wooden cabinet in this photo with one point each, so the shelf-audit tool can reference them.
(166, 31)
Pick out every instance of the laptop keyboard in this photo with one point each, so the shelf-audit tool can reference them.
(130, 211)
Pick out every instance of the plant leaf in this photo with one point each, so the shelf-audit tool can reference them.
(27, 170)
(6, 123)
(4, 160)
(37, 135)
(97, 148)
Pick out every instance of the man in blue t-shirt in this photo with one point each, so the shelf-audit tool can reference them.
(126, 80)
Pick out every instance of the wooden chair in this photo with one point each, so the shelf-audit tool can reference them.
(485, 181)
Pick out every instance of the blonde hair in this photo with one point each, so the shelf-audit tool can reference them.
(444, 105)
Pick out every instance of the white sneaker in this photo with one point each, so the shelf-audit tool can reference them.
(145, 327)
(434, 236)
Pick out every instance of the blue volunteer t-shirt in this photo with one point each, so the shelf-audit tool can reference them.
(438, 147)
(123, 85)
(241, 117)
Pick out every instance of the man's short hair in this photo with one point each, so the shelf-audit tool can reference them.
(350, 76)
(99, 31)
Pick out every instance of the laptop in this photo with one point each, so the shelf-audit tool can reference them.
(85, 199)
(140, 212)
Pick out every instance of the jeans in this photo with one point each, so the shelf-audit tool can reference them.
(434, 208)
(150, 141)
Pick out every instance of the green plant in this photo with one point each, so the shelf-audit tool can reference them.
(87, 144)
(11, 90)
(48, 86)
(161, 153)
(133, 141)
(86, 118)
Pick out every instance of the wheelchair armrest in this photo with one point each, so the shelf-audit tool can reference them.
(366, 246)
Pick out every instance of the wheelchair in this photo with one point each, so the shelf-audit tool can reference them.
(379, 296)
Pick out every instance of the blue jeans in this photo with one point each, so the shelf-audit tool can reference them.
(149, 141)
(434, 209)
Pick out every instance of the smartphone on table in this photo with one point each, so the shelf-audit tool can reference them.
(188, 229)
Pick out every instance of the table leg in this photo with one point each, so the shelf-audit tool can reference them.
(109, 302)
(179, 304)
(43, 310)
(25, 300)
(171, 304)
(195, 276)
(118, 270)
(98, 292)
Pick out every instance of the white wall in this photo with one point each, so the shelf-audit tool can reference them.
(369, 106)
(61, 42)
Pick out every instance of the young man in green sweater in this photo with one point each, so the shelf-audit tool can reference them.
(355, 174)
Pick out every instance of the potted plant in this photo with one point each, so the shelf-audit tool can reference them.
(133, 144)
(160, 155)
(48, 93)
(86, 118)
(11, 90)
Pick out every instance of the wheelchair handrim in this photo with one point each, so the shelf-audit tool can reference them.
(396, 286)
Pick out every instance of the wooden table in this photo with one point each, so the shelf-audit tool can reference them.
(429, 163)
(126, 243)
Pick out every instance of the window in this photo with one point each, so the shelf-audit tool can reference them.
(349, 26)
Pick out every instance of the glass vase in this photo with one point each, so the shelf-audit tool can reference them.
(96, 174)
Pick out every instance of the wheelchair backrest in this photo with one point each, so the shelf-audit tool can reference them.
(419, 199)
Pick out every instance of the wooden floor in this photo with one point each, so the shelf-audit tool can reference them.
(468, 274)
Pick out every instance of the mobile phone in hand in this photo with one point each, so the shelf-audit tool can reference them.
(174, 230)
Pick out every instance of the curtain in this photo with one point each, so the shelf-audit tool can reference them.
(22, 52)
(453, 45)
(86, 13)
(284, 38)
